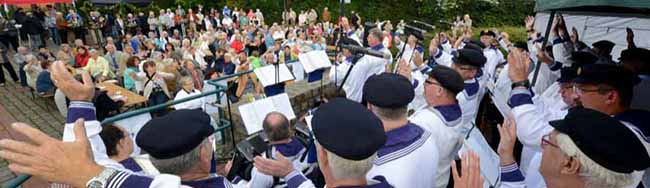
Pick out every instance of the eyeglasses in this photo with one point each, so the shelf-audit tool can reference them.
(546, 141)
(431, 82)
(581, 90)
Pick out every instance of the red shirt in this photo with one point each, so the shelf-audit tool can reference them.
(81, 60)
(237, 46)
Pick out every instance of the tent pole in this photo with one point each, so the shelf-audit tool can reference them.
(546, 35)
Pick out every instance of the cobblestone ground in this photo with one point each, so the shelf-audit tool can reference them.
(18, 105)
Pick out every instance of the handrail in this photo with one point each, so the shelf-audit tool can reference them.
(20, 179)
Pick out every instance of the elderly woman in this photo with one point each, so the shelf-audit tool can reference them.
(98, 67)
(33, 69)
(65, 55)
(155, 88)
(192, 71)
(188, 90)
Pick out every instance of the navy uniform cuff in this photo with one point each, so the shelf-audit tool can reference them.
(555, 66)
(124, 179)
(520, 96)
(81, 109)
(295, 179)
(438, 54)
(558, 41)
(511, 173)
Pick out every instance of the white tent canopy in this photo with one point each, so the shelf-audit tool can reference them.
(593, 27)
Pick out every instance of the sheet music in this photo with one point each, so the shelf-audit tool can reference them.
(283, 105)
(266, 74)
(133, 125)
(490, 160)
(497, 99)
(314, 60)
(253, 114)
(250, 118)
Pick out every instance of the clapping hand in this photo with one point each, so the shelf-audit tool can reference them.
(73, 89)
(470, 173)
(51, 159)
(508, 134)
(518, 65)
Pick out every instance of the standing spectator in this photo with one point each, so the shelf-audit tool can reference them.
(119, 26)
(292, 17)
(130, 74)
(44, 84)
(260, 17)
(75, 23)
(155, 88)
(95, 23)
(153, 22)
(62, 27)
(326, 17)
(50, 23)
(8, 33)
(4, 62)
(20, 59)
(33, 28)
(81, 59)
(143, 26)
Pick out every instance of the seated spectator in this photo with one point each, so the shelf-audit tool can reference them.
(81, 59)
(65, 55)
(45, 54)
(32, 68)
(190, 70)
(187, 90)
(44, 83)
(98, 67)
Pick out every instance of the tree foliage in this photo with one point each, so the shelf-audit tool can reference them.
(484, 13)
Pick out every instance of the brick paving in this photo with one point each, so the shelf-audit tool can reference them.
(17, 105)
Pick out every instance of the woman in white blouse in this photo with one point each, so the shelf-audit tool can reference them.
(187, 90)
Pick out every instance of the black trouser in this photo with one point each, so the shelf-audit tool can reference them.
(10, 40)
(9, 69)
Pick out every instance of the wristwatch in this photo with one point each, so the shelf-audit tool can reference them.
(524, 83)
(100, 180)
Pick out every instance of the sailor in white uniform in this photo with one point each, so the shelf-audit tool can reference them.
(410, 154)
(468, 63)
(441, 115)
(344, 162)
(338, 71)
(366, 67)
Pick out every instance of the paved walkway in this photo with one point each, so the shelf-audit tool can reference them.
(17, 105)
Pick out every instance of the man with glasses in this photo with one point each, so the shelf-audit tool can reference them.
(441, 115)
(585, 150)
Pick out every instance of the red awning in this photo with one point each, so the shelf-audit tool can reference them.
(27, 2)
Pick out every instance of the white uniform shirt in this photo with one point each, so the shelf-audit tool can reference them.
(362, 70)
(407, 158)
(441, 122)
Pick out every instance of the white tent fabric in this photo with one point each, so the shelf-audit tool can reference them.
(593, 27)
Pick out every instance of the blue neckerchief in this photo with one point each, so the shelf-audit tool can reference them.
(377, 47)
